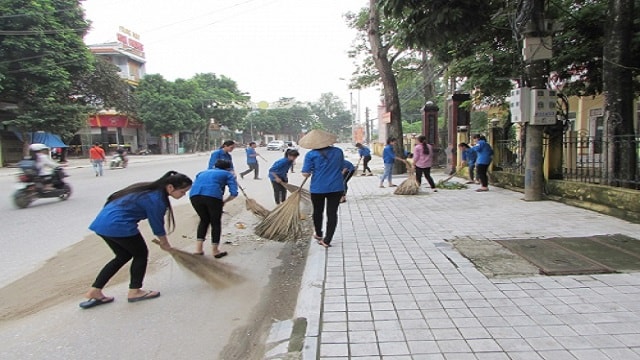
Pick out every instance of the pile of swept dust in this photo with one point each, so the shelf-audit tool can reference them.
(70, 273)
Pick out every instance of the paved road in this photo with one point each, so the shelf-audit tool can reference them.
(190, 320)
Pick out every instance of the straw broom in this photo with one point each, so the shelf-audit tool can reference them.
(253, 205)
(212, 271)
(306, 195)
(285, 221)
(408, 187)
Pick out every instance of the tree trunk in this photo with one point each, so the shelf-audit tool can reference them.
(380, 55)
(618, 93)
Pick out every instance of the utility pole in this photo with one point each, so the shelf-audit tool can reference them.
(368, 126)
(537, 40)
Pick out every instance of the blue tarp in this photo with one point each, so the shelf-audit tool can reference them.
(41, 137)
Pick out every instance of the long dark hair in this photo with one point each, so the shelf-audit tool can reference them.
(425, 147)
(179, 181)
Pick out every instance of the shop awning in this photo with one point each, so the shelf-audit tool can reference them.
(51, 140)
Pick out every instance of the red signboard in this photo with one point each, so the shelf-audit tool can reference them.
(120, 121)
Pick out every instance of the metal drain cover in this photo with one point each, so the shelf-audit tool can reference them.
(579, 255)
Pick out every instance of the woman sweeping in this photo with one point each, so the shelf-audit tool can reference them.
(117, 224)
(278, 174)
(207, 200)
(325, 163)
(423, 160)
(223, 153)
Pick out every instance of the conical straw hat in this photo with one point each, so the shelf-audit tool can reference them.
(317, 139)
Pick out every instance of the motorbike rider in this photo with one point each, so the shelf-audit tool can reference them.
(44, 164)
(122, 152)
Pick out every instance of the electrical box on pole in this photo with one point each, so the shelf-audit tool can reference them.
(543, 107)
(520, 104)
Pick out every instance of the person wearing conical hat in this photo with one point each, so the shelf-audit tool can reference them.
(325, 163)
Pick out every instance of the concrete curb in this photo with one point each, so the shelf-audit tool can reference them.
(310, 299)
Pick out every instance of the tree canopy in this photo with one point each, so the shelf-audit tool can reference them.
(43, 59)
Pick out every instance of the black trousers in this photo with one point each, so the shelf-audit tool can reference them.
(125, 249)
(427, 175)
(252, 167)
(279, 192)
(332, 201)
(209, 209)
(346, 177)
(481, 170)
(365, 164)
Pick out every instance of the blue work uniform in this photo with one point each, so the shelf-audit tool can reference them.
(120, 217)
(219, 155)
(388, 155)
(212, 183)
(281, 168)
(326, 167)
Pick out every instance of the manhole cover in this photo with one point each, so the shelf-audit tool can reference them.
(580, 255)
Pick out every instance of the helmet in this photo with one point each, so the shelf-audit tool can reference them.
(38, 147)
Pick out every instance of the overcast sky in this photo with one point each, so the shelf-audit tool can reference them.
(271, 48)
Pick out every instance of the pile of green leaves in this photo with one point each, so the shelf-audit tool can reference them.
(450, 185)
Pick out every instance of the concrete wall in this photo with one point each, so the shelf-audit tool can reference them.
(618, 202)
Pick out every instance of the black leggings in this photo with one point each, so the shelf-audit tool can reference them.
(125, 248)
(365, 164)
(481, 170)
(427, 175)
(209, 210)
(333, 201)
(279, 192)
(346, 177)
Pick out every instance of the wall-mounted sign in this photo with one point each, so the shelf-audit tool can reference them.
(130, 40)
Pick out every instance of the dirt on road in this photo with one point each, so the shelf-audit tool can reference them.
(67, 276)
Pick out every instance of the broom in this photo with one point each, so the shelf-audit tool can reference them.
(408, 187)
(214, 272)
(306, 195)
(253, 205)
(448, 178)
(284, 222)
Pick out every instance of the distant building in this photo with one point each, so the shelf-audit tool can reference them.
(110, 127)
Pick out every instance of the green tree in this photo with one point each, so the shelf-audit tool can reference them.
(103, 88)
(333, 114)
(160, 108)
(43, 55)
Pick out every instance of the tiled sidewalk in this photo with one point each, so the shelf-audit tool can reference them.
(394, 289)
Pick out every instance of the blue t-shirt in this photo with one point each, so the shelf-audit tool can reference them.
(484, 151)
(364, 151)
(349, 166)
(469, 155)
(388, 156)
(252, 157)
(217, 155)
(120, 217)
(326, 166)
(212, 183)
(281, 168)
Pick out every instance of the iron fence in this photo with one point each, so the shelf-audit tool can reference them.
(588, 159)
(599, 160)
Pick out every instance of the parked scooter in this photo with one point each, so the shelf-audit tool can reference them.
(31, 186)
(118, 161)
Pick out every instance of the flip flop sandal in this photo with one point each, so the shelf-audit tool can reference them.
(198, 253)
(148, 295)
(220, 255)
(93, 302)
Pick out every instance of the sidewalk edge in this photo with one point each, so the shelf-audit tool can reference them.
(310, 299)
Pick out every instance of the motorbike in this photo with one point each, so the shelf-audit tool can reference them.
(118, 161)
(31, 187)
